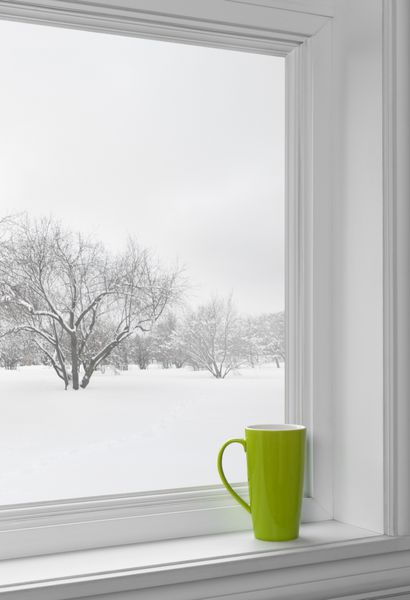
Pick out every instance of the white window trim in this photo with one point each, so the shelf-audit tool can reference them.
(37, 528)
(382, 565)
(333, 560)
(396, 149)
(81, 524)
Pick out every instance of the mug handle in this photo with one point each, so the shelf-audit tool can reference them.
(222, 474)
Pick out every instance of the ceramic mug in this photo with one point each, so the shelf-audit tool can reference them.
(276, 465)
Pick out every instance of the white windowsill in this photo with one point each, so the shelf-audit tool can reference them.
(142, 566)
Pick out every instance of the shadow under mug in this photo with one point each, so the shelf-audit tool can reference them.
(276, 465)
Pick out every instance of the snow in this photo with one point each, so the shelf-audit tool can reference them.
(128, 432)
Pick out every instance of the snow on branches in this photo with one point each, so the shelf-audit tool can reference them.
(77, 300)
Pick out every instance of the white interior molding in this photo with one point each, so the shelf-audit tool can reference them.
(257, 28)
(396, 158)
(399, 175)
(223, 564)
(390, 274)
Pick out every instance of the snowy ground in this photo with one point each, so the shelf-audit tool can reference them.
(137, 431)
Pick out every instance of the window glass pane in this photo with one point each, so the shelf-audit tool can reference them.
(141, 260)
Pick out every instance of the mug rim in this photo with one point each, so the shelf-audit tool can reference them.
(275, 427)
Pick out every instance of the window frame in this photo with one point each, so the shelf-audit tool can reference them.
(37, 528)
(301, 32)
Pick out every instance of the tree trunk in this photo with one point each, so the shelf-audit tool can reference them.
(88, 373)
(85, 381)
(74, 362)
(97, 360)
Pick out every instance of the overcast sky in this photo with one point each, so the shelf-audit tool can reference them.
(179, 145)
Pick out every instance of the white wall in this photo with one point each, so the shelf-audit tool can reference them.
(358, 247)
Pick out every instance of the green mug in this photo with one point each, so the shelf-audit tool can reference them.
(276, 466)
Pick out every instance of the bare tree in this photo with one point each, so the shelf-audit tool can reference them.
(78, 301)
(141, 350)
(120, 357)
(264, 338)
(213, 339)
(271, 333)
(17, 350)
(252, 343)
(169, 343)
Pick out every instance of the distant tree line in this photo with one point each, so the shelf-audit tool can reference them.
(65, 301)
(212, 337)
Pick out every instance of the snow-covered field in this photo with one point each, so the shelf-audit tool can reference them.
(136, 431)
